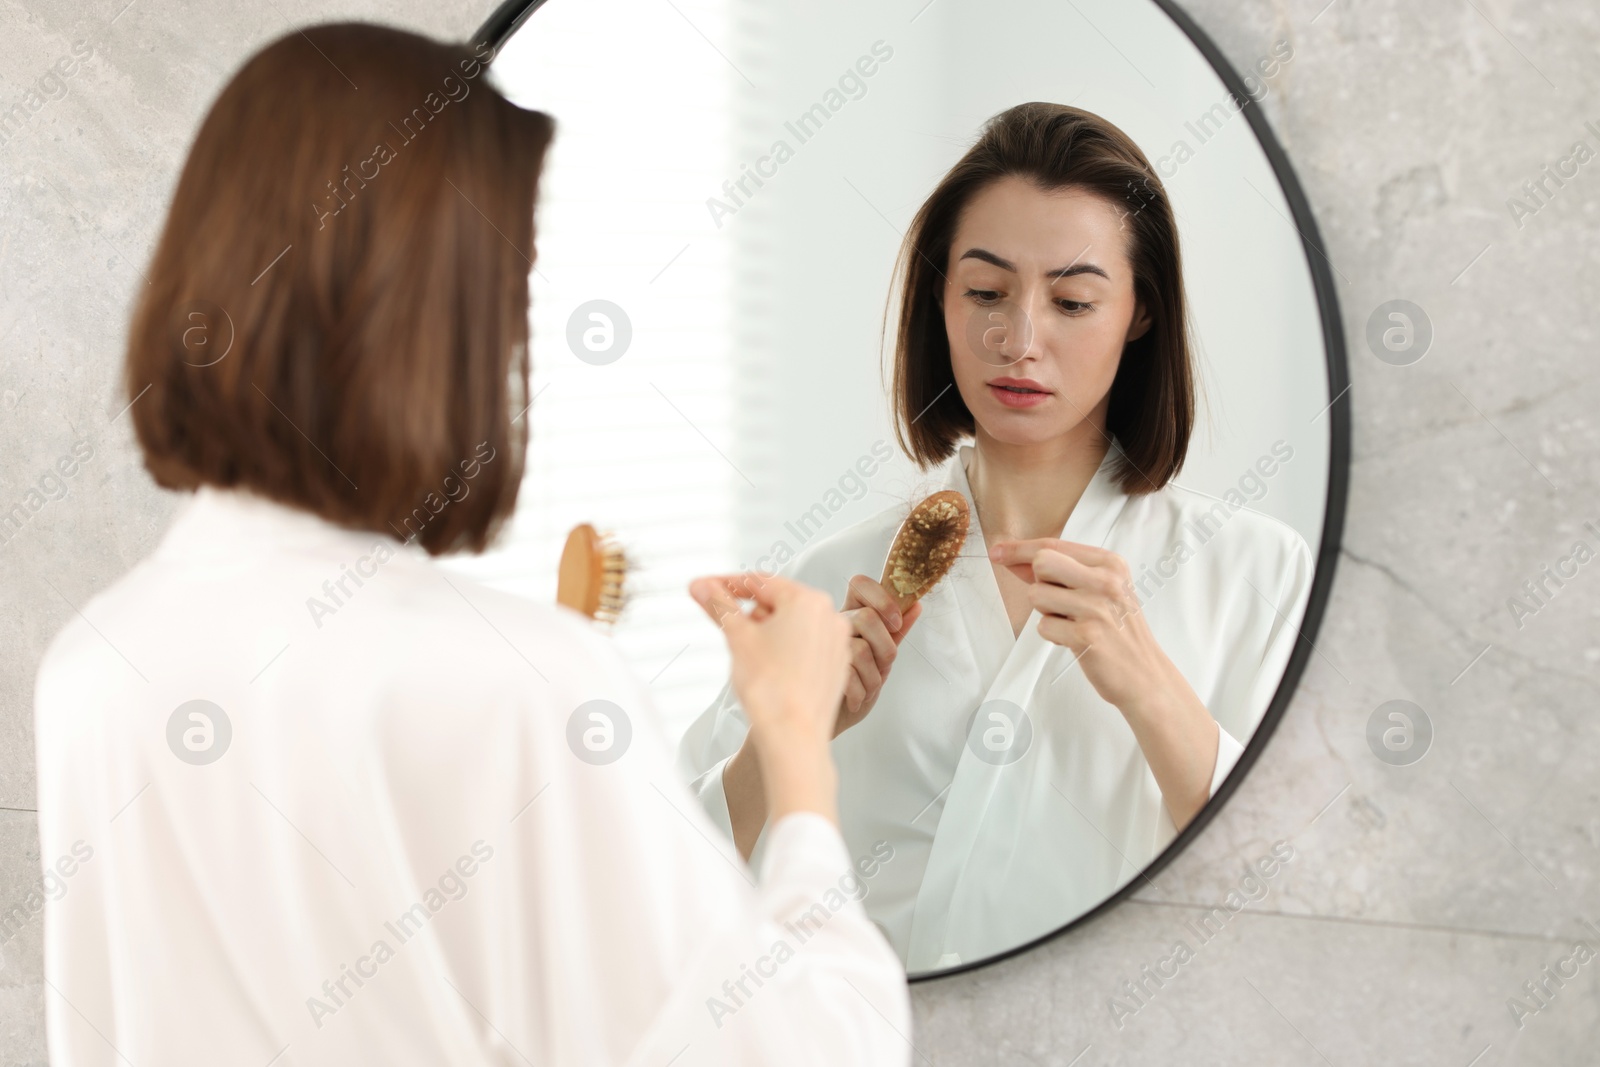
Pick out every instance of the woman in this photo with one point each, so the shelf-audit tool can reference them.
(323, 803)
(1087, 675)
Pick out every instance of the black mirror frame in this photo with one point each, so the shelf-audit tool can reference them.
(509, 16)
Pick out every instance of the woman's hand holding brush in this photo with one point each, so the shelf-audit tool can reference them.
(877, 626)
(881, 613)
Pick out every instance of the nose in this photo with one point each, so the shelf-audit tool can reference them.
(1019, 340)
(1003, 334)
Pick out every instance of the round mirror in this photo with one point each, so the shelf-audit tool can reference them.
(799, 268)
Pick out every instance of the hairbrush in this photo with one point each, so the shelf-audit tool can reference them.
(591, 576)
(926, 547)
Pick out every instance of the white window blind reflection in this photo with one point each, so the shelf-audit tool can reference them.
(643, 446)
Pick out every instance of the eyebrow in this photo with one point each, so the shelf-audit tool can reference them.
(1068, 271)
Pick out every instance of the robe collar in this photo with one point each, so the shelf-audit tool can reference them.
(1092, 518)
(972, 582)
(1011, 668)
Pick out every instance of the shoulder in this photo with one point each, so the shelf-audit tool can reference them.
(1220, 576)
(502, 665)
(1223, 528)
(70, 658)
(411, 618)
(439, 613)
(81, 651)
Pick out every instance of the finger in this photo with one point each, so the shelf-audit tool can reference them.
(864, 668)
(1062, 569)
(873, 595)
(745, 585)
(716, 599)
(1024, 551)
(855, 694)
(1109, 579)
(1021, 570)
(874, 633)
(1065, 632)
(1066, 603)
(913, 613)
(1082, 605)
(1020, 551)
(1048, 565)
(765, 590)
(771, 592)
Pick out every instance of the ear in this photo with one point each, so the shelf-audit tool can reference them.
(1142, 321)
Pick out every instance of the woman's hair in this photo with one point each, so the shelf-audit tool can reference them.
(1151, 410)
(337, 309)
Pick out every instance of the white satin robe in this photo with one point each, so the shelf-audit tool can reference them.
(401, 857)
(990, 856)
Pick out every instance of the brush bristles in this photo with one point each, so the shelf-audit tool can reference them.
(592, 575)
(613, 577)
(927, 546)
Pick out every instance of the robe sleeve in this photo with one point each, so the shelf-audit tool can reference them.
(1249, 686)
(1228, 752)
(704, 752)
(707, 788)
(1287, 613)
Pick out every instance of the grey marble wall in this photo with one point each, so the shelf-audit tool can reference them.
(1419, 899)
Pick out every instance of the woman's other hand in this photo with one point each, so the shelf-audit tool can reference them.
(1087, 604)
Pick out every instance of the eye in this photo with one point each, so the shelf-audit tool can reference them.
(983, 296)
(1074, 307)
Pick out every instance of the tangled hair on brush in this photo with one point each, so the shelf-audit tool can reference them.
(927, 546)
(1151, 410)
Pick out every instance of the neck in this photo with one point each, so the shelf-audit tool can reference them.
(1028, 491)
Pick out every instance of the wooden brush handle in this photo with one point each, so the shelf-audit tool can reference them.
(581, 574)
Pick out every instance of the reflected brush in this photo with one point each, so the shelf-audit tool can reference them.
(592, 574)
(926, 547)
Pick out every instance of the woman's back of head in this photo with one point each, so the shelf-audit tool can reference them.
(337, 310)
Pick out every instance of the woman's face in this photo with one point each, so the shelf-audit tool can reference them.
(1038, 304)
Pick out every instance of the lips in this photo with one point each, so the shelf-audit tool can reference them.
(1018, 385)
(1018, 392)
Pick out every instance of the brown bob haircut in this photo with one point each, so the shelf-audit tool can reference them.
(337, 310)
(1151, 408)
